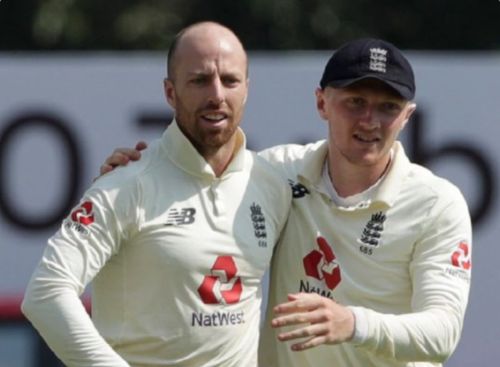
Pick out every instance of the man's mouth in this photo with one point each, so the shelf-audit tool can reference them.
(366, 139)
(214, 117)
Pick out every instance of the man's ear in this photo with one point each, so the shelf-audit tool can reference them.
(320, 102)
(168, 89)
(409, 112)
(246, 94)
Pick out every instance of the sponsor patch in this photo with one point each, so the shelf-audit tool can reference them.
(222, 286)
(321, 264)
(217, 319)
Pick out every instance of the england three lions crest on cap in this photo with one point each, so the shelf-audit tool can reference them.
(370, 58)
(378, 59)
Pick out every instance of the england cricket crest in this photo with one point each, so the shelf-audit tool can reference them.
(259, 224)
(372, 233)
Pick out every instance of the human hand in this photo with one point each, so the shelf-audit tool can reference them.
(121, 157)
(320, 320)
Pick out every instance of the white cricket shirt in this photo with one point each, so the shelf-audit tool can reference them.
(400, 260)
(175, 256)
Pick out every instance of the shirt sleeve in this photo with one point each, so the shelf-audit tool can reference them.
(90, 235)
(440, 273)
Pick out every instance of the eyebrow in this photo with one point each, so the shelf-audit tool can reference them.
(233, 73)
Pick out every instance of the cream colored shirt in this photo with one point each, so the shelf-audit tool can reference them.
(175, 256)
(400, 260)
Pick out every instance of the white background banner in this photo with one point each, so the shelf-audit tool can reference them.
(60, 116)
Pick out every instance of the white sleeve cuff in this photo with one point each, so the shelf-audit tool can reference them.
(360, 325)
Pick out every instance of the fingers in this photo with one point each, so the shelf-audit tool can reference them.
(311, 329)
(310, 343)
(141, 145)
(316, 335)
(317, 320)
(105, 168)
(308, 317)
(121, 157)
(116, 159)
(302, 309)
(299, 302)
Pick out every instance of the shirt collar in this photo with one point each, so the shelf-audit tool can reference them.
(398, 171)
(184, 155)
(312, 164)
(310, 173)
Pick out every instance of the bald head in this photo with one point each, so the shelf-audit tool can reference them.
(204, 37)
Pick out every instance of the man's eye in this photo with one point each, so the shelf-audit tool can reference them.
(356, 102)
(230, 81)
(198, 80)
(391, 107)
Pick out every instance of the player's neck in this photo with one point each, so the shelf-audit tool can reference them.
(220, 158)
(350, 179)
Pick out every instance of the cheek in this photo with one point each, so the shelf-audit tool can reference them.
(392, 132)
(400, 125)
(340, 121)
(337, 132)
(237, 101)
(192, 101)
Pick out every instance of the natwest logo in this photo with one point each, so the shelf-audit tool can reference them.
(83, 214)
(461, 257)
(322, 265)
(222, 286)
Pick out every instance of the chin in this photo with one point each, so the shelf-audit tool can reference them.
(218, 139)
(367, 160)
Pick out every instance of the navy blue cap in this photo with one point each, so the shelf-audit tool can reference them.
(370, 58)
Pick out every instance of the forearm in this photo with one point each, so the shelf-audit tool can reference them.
(68, 330)
(430, 335)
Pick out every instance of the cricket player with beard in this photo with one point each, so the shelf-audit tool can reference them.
(175, 245)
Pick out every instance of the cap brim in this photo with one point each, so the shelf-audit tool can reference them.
(402, 90)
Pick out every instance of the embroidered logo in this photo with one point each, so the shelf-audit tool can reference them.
(180, 217)
(373, 230)
(80, 218)
(222, 286)
(378, 59)
(322, 264)
(461, 257)
(83, 214)
(298, 190)
(259, 224)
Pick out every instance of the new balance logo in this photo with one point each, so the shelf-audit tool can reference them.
(298, 190)
(180, 217)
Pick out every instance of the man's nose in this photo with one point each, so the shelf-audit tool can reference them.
(216, 94)
(369, 116)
